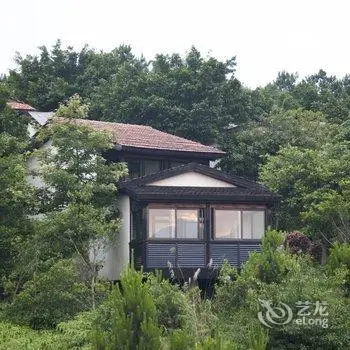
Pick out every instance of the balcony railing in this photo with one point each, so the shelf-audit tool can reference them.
(192, 254)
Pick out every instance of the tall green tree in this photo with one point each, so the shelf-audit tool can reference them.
(172, 93)
(16, 200)
(248, 147)
(49, 78)
(175, 94)
(78, 203)
(314, 187)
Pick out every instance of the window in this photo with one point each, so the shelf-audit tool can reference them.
(134, 169)
(187, 223)
(227, 224)
(151, 167)
(238, 224)
(161, 223)
(176, 223)
(253, 223)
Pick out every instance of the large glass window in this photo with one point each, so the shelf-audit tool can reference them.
(176, 223)
(227, 224)
(161, 223)
(187, 223)
(253, 223)
(239, 224)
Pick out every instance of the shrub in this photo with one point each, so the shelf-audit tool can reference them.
(272, 264)
(297, 243)
(340, 258)
(180, 340)
(172, 305)
(303, 281)
(131, 316)
(50, 297)
(14, 337)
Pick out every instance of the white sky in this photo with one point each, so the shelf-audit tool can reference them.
(266, 36)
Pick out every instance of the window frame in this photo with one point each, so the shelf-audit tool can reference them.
(240, 210)
(201, 221)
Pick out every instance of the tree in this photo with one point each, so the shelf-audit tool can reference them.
(175, 94)
(171, 93)
(313, 184)
(78, 203)
(247, 148)
(49, 78)
(16, 196)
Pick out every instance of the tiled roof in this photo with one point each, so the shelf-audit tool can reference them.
(20, 106)
(146, 137)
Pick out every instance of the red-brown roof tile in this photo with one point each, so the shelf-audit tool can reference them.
(20, 106)
(146, 137)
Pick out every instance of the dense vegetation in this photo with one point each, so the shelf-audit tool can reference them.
(292, 135)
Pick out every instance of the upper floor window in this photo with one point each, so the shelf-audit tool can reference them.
(176, 223)
(138, 168)
(151, 167)
(134, 168)
(238, 224)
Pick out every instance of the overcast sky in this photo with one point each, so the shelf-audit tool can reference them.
(266, 36)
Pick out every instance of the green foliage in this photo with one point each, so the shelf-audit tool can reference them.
(16, 196)
(170, 92)
(173, 307)
(14, 337)
(50, 297)
(272, 264)
(215, 344)
(313, 184)
(295, 278)
(133, 316)
(74, 108)
(49, 78)
(259, 338)
(339, 258)
(77, 202)
(248, 147)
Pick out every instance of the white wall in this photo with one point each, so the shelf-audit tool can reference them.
(191, 179)
(116, 257)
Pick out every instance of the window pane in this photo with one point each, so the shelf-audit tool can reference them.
(151, 166)
(134, 169)
(227, 224)
(187, 223)
(253, 224)
(161, 223)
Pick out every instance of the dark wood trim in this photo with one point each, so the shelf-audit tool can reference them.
(238, 206)
(172, 153)
(207, 231)
(176, 205)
